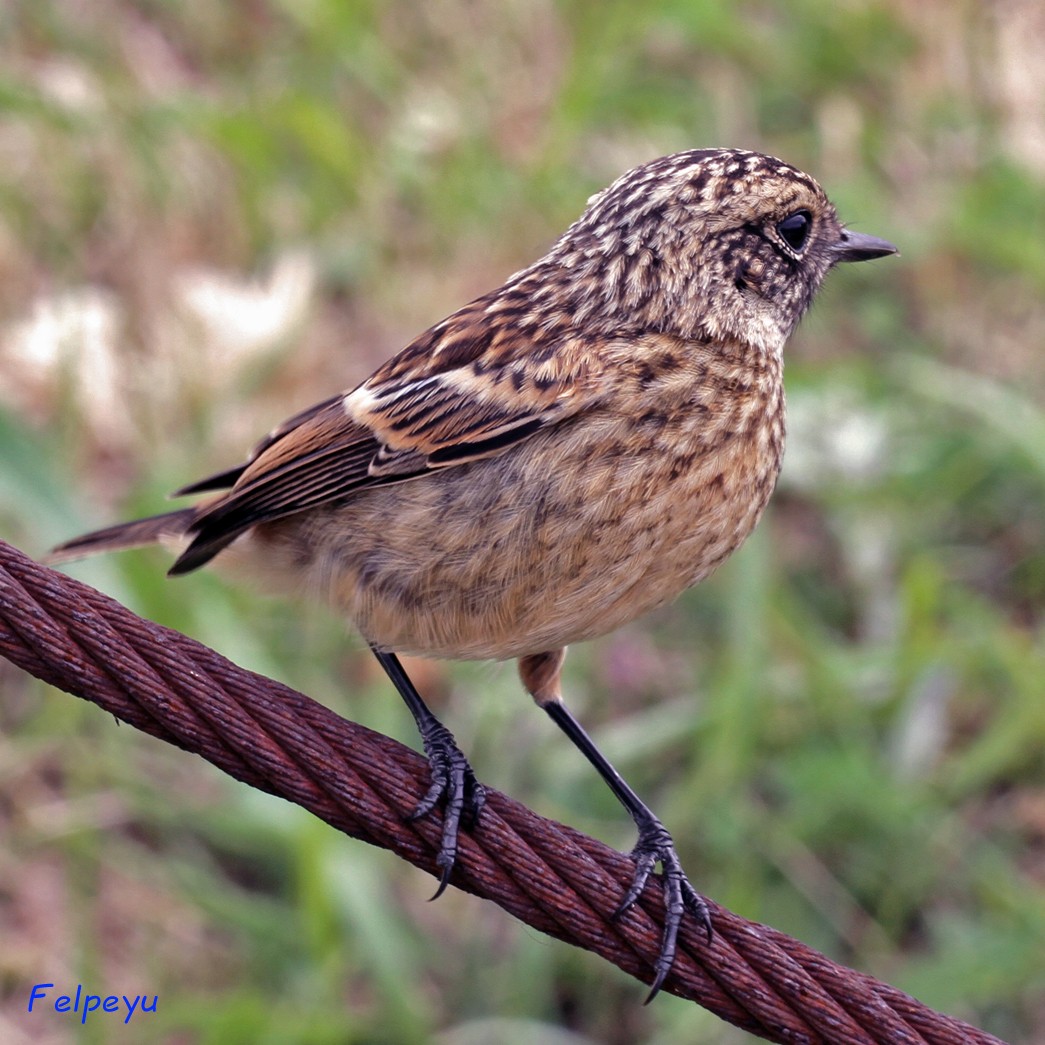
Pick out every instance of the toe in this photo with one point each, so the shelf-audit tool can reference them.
(656, 845)
(454, 784)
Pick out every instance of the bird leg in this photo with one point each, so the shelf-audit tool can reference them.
(452, 776)
(540, 676)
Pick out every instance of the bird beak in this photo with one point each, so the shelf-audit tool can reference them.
(858, 246)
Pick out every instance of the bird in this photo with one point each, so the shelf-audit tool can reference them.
(556, 458)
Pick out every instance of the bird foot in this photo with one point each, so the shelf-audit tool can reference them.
(454, 782)
(655, 845)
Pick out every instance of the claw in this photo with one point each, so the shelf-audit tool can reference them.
(453, 781)
(444, 878)
(655, 845)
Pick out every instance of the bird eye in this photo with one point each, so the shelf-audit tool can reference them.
(794, 230)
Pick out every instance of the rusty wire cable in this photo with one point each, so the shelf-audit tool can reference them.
(555, 879)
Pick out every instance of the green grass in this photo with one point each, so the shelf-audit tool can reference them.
(843, 728)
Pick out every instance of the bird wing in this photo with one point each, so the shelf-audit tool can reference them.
(468, 388)
(471, 386)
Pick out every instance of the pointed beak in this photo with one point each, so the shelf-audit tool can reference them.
(858, 246)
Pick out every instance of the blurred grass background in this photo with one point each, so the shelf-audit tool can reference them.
(213, 214)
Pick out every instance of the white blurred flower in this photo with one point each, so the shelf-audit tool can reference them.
(242, 317)
(69, 85)
(835, 442)
(431, 120)
(832, 437)
(73, 336)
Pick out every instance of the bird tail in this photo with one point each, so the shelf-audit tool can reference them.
(132, 534)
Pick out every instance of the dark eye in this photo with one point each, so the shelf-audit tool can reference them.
(794, 230)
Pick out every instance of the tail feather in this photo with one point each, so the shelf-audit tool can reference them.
(132, 534)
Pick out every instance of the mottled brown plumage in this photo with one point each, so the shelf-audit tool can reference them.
(554, 459)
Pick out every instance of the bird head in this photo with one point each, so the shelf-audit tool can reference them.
(708, 244)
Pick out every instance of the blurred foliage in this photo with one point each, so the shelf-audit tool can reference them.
(213, 214)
